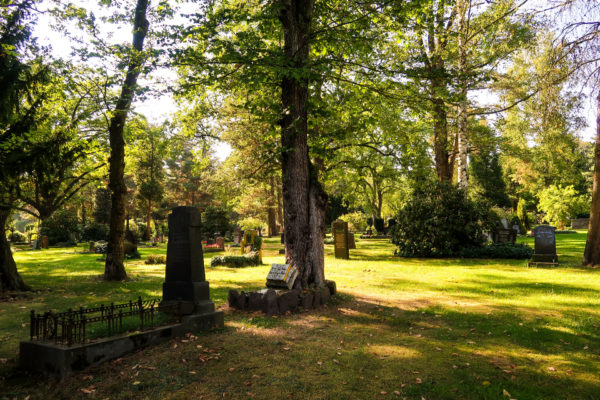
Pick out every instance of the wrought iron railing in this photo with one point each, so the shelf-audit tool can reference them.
(73, 326)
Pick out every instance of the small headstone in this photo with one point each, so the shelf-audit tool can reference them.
(339, 230)
(282, 276)
(237, 235)
(45, 242)
(504, 223)
(517, 228)
(282, 238)
(220, 242)
(545, 245)
(502, 235)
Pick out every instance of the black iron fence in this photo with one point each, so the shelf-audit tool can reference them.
(75, 326)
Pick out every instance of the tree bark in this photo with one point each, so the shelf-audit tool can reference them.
(114, 268)
(271, 217)
(279, 206)
(9, 276)
(462, 117)
(440, 141)
(591, 256)
(303, 198)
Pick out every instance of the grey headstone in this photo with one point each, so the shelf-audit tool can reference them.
(545, 244)
(237, 235)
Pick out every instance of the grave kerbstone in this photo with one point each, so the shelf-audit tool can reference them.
(270, 306)
(184, 277)
(254, 301)
(307, 300)
(339, 230)
(545, 245)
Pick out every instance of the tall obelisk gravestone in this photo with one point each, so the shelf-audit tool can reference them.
(184, 277)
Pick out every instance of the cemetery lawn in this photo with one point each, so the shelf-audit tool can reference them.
(399, 328)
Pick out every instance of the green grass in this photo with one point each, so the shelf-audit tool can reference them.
(423, 328)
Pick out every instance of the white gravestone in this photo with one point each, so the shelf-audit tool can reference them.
(282, 275)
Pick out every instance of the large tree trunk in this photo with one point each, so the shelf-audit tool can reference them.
(462, 117)
(271, 216)
(9, 276)
(591, 256)
(440, 141)
(279, 206)
(114, 268)
(303, 198)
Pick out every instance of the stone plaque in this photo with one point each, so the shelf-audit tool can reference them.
(184, 276)
(282, 275)
(339, 230)
(220, 240)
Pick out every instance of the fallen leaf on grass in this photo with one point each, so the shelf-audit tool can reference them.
(136, 383)
(248, 383)
(505, 393)
(193, 372)
(551, 369)
(396, 392)
(336, 361)
(88, 390)
(319, 363)
(383, 393)
(438, 349)
(418, 380)
(286, 348)
(231, 369)
(255, 377)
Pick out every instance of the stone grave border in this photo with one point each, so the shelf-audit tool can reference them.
(280, 301)
(62, 360)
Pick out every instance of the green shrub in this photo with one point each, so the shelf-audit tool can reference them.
(357, 221)
(522, 214)
(94, 231)
(246, 260)
(61, 227)
(561, 203)
(509, 251)
(156, 259)
(439, 220)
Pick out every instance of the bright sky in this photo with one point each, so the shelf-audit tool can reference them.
(158, 109)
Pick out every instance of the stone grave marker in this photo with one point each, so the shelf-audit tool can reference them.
(45, 242)
(220, 242)
(237, 235)
(545, 245)
(351, 241)
(502, 235)
(339, 231)
(184, 277)
(281, 276)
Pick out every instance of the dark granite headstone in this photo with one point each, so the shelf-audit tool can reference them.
(339, 231)
(184, 277)
(351, 241)
(45, 242)
(282, 238)
(545, 244)
(502, 235)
